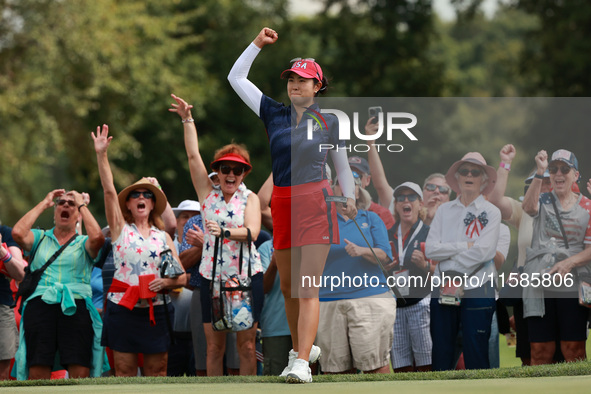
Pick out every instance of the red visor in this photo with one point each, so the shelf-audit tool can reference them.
(230, 157)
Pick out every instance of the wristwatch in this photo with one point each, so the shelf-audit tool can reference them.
(226, 233)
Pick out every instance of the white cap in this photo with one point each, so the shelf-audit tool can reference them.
(187, 205)
(409, 185)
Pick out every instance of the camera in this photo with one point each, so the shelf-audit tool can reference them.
(374, 112)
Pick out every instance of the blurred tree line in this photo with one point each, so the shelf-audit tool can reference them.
(69, 66)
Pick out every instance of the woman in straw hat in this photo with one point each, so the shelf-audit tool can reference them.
(301, 241)
(233, 212)
(463, 237)
(135, 318)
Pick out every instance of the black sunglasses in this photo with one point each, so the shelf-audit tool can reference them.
(137, 194)
(238, 170)
(64, 202)
(554, 169)
(432, 187)
(409, 197)
(474, 171)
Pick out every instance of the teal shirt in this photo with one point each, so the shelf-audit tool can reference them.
(66, 279)
(62, 270)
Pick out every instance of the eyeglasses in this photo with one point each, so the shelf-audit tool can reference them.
(137, 194)
(308, 59)
(432, 187)
(409, 197)
(474, 171)
(238, 170)
(355, 174)
(64, 202)
(554, 169)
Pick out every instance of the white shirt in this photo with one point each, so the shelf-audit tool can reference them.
(453, 227)
(504, 240)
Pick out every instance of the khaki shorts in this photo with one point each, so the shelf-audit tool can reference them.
(8, 333)
(356, 333)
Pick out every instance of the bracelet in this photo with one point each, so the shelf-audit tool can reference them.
(82, 205)
(7, 257)
(189, 120)
(539, 176)
(506, 166)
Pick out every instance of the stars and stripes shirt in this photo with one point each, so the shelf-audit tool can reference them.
(135, 255)
(227, 215)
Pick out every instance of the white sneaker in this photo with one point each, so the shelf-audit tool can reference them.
(300, 372)
(315, 354)
(291, 358)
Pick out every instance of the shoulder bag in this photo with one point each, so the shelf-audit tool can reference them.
(29, 283)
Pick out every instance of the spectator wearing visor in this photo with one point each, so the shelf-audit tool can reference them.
(412, 346)
(561, 247)
(232, 216)
(463, 237)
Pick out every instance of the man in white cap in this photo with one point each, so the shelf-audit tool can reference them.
(185, 211)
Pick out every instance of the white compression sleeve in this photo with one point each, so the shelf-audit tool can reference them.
(246, 90)
(341, 164)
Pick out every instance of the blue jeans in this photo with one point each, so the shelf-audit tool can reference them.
(473, 317)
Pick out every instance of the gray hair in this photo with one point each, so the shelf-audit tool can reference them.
(433, 176)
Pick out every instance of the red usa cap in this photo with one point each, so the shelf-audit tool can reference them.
(307, 68)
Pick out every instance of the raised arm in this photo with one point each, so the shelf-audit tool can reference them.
(246, 90)
(112, 210)
(96, 239)
(12, 258)
(378, 176)
(199, 176)
(531, 200)
(497, 196)
(21, 232)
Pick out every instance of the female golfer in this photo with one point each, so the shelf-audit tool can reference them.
(301, 241)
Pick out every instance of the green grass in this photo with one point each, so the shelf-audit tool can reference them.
(557, 370)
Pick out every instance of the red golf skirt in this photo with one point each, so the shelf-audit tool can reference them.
(301, 215)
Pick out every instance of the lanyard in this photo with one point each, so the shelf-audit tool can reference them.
(401, 250)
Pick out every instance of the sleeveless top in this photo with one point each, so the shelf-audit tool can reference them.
(228, 215)
(135, 255)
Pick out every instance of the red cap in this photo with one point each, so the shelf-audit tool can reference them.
(230, 157)
(306, 68)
